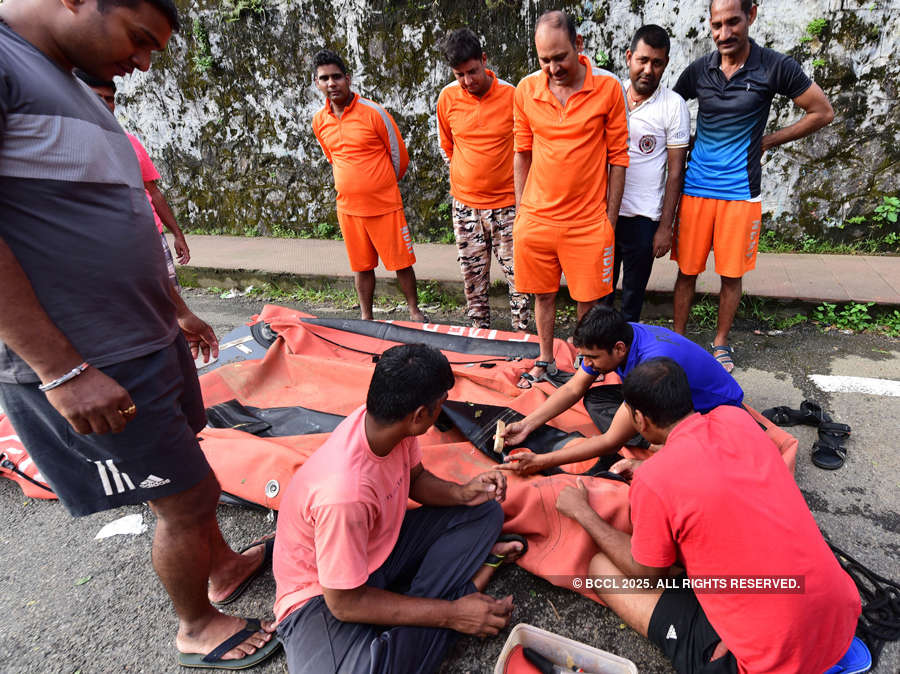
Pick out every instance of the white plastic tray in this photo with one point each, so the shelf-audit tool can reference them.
(564, 652)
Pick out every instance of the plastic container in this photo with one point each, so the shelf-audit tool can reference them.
(564, 652)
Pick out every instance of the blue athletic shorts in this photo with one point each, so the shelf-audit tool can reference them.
(156, 455)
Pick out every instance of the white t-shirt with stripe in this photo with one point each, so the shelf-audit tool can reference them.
(660, 122)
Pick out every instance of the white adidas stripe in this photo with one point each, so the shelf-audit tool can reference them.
(122, 480)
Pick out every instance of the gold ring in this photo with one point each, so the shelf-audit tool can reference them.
(128, 411)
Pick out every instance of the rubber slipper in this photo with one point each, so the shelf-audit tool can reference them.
(213, 659)
(496, 560)
(262, 568)
(724, 354)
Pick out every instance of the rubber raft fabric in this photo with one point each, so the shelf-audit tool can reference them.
(325, 365)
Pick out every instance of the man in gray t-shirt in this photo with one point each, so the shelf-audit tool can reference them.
(92, 337)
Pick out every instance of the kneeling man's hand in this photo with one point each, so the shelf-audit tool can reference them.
(572, 501)
(485, 487)
(481, 615)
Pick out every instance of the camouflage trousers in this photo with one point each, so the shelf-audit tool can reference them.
(478, 233)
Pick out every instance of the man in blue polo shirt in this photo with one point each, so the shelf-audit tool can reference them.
(721, 207)
(607, 343)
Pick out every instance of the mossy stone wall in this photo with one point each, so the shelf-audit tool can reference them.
(225, 111)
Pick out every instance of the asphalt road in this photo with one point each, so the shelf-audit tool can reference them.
(70, 603)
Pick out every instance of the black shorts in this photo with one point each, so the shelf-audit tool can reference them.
(680, 628)
(156, 455)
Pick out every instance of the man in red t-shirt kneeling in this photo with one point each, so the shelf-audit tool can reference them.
(363, 584)
(761, 591)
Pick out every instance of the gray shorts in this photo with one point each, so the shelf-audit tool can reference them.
(156, 455)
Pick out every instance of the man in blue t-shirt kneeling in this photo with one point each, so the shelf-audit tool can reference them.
(607, 343)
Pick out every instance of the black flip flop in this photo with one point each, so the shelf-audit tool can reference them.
(497, 560)
(262, 568)
(213, 659)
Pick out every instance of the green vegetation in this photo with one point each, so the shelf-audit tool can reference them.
(321, 230)
(202, 59)
(858, 318)
(878, 240)
(816, 27)
(853, 316)
(431, 292)
(327, 294)
(818, 62)
(235, 9)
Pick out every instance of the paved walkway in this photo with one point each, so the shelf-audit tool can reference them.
(832, 278)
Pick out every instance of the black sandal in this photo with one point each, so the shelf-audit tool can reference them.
(828, 452)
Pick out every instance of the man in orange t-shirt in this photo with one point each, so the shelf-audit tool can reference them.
(475, 123)
(760, 591)
(570, 123)
(363, 145)
(362, 583)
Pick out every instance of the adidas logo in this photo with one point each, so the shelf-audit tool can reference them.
(671, 633)
(152, 481)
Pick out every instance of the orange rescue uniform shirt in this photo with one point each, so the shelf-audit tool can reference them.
(367, 156)
(570, 146)
(477, 139)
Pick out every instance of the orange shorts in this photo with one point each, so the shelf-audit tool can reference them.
(369, 237)
(584, 253)
(729, 228)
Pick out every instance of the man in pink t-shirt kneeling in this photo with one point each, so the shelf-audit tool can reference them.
(761, 590)
(363, 584)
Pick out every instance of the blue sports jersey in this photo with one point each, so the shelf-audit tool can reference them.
(725, 159)
(710, 384)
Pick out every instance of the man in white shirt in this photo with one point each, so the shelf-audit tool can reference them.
(659, 127)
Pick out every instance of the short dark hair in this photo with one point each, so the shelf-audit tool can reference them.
(405, 377)
(167, 7)
(460, 46)
(558, 19)
(659, 389)
(601, 327)
(92, 81)
(653, 36)
(326, 57)
(746, 6)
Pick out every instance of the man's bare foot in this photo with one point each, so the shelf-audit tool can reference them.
(417, 316)
(203, 638)
(229, 576)
(510, 551)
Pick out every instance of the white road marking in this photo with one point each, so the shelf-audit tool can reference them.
(842, 384)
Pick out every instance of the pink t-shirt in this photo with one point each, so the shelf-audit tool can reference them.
(149, 174)
(719, 499)
(340, 515)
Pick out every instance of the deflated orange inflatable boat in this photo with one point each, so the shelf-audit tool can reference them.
(284, 381)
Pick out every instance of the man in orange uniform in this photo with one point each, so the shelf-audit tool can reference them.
(368, 156)
(475, 123)
(570, 123)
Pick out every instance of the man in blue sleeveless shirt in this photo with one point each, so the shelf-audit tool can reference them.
(607, 343)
